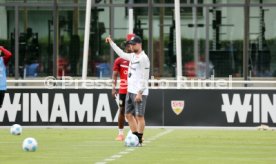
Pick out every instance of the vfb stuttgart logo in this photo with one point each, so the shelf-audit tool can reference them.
(177, 106)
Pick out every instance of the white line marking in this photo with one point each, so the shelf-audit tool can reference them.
(129, 150)
(123, 152)
(160, 134)
(116, 156)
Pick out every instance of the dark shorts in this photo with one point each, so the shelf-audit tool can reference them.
(137, 109)
(2, 94)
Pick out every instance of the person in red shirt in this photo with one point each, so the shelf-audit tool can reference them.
(5, 57)
(120, 67)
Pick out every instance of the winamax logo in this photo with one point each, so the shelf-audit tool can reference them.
(34, 105)
(260, 105)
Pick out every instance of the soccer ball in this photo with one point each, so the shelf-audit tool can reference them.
(131, 140)
(29, 144)
(129, 133)
(16, 129)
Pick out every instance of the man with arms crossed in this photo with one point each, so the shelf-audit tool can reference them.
(120, 66)
(138, 75)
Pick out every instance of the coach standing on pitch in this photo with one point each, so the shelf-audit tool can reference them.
(5, 57)
(138, 76)
(120, 67)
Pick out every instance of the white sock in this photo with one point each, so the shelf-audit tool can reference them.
(121, 131)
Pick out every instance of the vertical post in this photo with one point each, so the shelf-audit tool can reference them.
(178, 40)
(161, 39)
(207, 61)
(86, 39)
(214, 46)
(26, 17)
(150, 40)
(130, 18)
(261, 27)
(76, 19)
(111, 32)
(195, 37)
(16, 43)
(56, 37)
(246, 39)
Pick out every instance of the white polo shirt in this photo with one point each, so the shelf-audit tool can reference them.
(138, 70)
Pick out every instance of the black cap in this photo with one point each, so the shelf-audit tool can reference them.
(124, 44)
(127, 42)
(135, 39)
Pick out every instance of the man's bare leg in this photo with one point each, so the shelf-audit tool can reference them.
(132, 122)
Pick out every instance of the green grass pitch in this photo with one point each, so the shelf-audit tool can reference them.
(162, 146)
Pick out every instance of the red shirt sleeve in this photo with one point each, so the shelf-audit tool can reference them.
(116, 65)
(7, 55)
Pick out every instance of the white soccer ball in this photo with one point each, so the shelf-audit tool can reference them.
(131, 140)
(30, 144)
(16, 129)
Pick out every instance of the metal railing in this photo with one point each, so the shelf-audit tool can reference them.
(183, 83)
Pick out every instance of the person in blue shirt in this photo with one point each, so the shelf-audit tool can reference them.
(5, 56)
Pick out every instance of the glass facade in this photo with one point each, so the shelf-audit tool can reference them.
(47, 37)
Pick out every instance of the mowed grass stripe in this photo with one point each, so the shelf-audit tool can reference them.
(131, 149)
(211, 146)
(71, 146)
(59, 146)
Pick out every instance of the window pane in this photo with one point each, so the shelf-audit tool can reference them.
(226, 41)
(262, 42)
